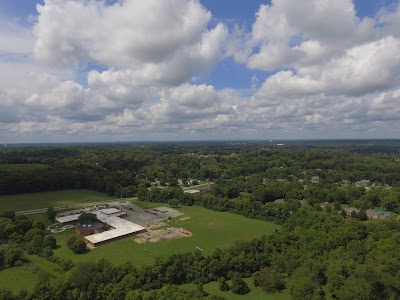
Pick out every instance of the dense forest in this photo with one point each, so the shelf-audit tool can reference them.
(318, 254)
(268, 173)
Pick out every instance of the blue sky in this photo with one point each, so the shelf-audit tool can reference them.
(184, 70)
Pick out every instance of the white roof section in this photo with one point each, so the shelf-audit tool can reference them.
(121, 227)
(109, 211)
(67, 219)
(191, 191)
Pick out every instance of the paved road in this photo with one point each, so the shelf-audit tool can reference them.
(43, 210)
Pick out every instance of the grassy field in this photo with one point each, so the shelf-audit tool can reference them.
(30, 201)
(210, 230)
(18, 278)
(256, 293)
(21, 167)
(26, 277)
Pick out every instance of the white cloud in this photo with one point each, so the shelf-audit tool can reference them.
(149, 38)
(362, 69)
(292, 33)
(15, 39)
(330, 73)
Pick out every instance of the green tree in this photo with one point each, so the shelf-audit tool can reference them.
(239, 286)
(173, 202)
(223, 285)
(87, 218)
(78, 246)
(270, 280)
(50, 241)
(51, 213)
(7, 227)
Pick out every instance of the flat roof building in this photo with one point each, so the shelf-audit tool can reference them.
(121, 228)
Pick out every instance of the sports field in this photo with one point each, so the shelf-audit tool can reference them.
(22, 202)
(210, 230)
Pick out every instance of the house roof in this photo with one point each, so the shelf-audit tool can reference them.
(372, 213)
(279, 201)
(351, 209)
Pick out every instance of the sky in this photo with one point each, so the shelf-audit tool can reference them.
(133, 70)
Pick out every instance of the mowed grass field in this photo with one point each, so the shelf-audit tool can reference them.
(22, 202)
(210, 230)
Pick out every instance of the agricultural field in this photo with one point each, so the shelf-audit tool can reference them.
(22, 202)
(210, 230)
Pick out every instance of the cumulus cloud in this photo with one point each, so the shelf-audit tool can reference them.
(362, 69)
(150, 38)
(290, 33)
(126, 70)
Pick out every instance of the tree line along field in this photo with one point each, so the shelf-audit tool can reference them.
(30, 201)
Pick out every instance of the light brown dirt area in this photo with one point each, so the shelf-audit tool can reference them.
(153, 236)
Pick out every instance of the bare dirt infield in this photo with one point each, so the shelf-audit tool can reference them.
(154, 236)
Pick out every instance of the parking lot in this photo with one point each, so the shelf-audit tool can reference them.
(135, 214)
(142, 216)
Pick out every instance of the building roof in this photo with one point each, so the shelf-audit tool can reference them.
(121, 227)
(110, 211)
(90, 226)
(191, 191)
(279, 201)
(351, 209)
(371, 213)
(68, 219)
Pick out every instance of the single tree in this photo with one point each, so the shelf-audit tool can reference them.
(87, 218)
(239, 286)
(51, 213)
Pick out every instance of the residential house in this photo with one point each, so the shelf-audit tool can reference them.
(371, 214)
(279, 201)
(362, 183)
(315, 179)
(325, 205)
(346, 182)
(350, 210)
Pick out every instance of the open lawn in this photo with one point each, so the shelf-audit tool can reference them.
(210, 230)
(255, 293)
(26, 276)
(18, 278)
(21, 202)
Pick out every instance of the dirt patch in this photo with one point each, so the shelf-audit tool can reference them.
(153, 236)
(182, 219)
(154, 226)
